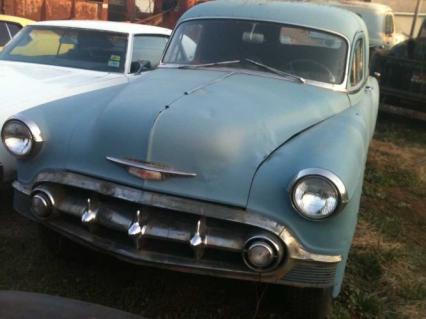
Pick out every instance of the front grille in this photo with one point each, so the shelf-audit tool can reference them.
(164, 232)
(170, 232)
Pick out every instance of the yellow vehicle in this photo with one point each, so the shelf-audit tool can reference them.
(9, 26)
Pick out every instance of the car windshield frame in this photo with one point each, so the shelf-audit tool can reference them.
(342, 86)
(123, 69)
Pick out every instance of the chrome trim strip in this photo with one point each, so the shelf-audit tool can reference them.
(295, 250)
(149, 167)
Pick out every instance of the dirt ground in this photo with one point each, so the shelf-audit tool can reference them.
(386, 275)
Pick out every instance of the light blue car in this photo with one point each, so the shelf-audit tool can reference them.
(242, 156)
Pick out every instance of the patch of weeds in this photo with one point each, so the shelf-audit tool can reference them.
(366, 304)
(390, 226)
(391, 255)
(390, 177)
(400, 131)
(366, 265)
(413, 290)
(402, 178)
(340, 311)
(374, 176)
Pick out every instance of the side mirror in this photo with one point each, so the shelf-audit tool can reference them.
(140, 66)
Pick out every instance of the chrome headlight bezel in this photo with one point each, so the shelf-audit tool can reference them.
(34, 135)
(327, 176)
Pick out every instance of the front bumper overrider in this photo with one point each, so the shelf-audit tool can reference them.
(170, 232)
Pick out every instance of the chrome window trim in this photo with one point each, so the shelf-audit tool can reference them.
(295, 250)
(8, 30)
(131, 46)
(360, 84)
(128, 63)
(342, 87)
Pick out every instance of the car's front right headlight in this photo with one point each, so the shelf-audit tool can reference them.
(20, 138)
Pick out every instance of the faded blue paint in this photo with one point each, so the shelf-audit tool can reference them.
(339, 144)
(228, 126)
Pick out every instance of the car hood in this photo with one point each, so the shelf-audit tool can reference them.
(24, 85)
(219, 125)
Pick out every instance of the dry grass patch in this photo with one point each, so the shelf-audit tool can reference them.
(386, 275)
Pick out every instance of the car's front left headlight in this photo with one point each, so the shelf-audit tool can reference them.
(20, 137)
(317, 194)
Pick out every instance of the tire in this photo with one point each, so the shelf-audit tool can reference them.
(61, 246)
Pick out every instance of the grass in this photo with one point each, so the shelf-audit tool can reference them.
(385, 278)
(386, 274)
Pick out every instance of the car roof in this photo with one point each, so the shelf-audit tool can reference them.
(313, 15)
(363, 6)
(121, 27)
(21, 21)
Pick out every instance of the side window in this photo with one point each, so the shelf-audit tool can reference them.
(389, 25)
(358, 63)
(185, 44)
(13, 28)
(148, 48)
(4, 34)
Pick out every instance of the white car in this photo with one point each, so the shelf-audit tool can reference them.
(380, 22)
(52, 60)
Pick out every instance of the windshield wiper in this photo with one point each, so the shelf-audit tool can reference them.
(276, 71)
(259, 64)
(205, 65)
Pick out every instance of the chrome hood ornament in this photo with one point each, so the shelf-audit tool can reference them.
(149, 171)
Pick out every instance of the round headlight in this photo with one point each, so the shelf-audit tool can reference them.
(18, 138)
(317, 196)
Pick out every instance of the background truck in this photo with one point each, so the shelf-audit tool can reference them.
(403, 76)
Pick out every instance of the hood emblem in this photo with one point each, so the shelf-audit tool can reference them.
(149, 171)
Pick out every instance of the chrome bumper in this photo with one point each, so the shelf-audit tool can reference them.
(170, 225)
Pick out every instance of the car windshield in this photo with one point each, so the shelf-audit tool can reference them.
(75, 48)
(307, 53)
